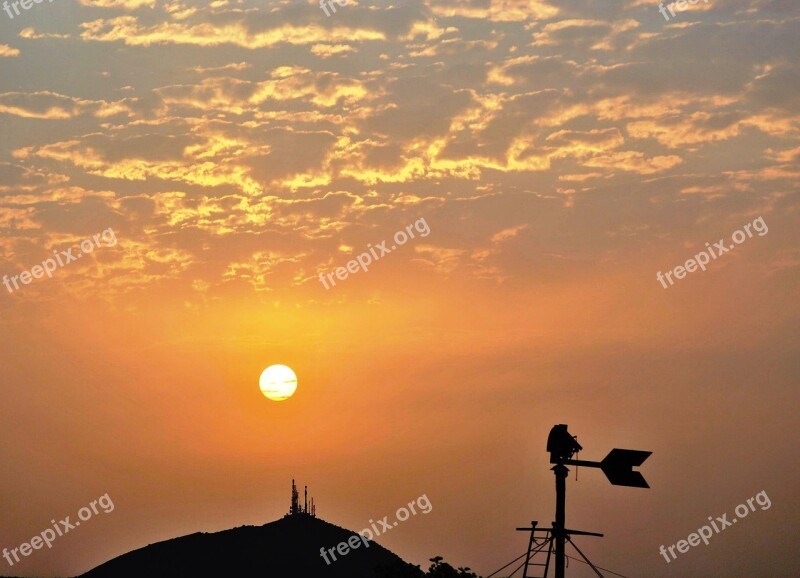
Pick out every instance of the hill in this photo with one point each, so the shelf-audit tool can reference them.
(289, 547)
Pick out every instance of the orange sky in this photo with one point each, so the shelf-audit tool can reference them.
(561, 154)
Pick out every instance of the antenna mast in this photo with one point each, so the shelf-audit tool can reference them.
(295, 509)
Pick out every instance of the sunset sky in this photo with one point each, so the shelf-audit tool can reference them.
(561, 154)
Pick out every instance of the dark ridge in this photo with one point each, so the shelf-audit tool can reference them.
(289, 547)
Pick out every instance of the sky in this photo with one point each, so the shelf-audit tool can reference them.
(223, 161)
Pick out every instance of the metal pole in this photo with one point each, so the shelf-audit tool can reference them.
(559, 525)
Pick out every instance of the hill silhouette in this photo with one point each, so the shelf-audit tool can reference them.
(289, 547)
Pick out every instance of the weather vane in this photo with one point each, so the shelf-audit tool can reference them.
(617, 466)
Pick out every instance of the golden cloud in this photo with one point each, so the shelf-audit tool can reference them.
(7, 52)
(123, 4)
(497, 10)
(128, 30)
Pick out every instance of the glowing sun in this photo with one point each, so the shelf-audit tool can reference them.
(278, 382)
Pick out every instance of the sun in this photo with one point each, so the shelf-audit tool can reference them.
(278, 382)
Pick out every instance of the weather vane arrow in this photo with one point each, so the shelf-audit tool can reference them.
(618, 467)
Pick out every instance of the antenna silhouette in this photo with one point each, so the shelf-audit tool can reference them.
(295, 508)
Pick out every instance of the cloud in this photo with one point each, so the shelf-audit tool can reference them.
(323, 89)
(7, 52)
(127, 29)
(122, 4)
(345, 123)
(32, 34)
(261, 265)
(580, 143)
(496, 10)
(52, 106)
(329, 50)
(634, 162)
(583, 33)
(233, 66)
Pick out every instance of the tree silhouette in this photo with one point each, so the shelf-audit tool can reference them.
(441, 569)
